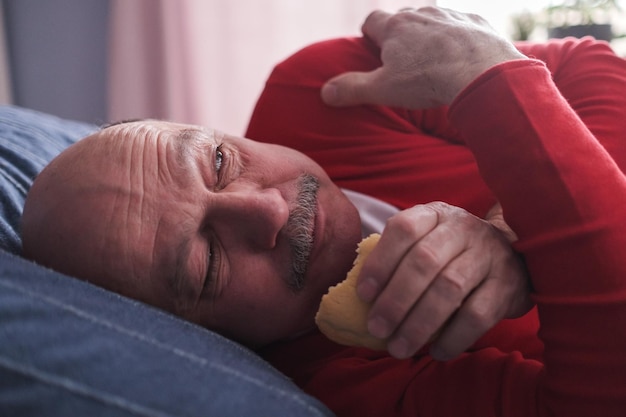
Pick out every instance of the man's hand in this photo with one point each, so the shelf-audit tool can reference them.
(439, 271)
(429, 55)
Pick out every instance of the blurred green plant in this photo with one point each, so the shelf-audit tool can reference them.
(524, 23)
(581, 12)
(570, 18)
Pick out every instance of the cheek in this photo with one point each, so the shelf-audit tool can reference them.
(304, 163)
(255, 284)
(289, 162)
(257, 307)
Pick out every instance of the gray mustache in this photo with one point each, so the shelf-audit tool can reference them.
(300, 227)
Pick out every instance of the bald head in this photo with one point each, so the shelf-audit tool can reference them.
(227, 232)
(70, 222)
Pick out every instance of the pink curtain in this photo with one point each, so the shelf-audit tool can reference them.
(205, 61)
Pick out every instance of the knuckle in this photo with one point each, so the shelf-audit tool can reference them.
(402, 224)
(441, 209)
(424, 330)
(419, 335)
(392, 310)
(416, 334)
(456, 214)
(480, 316)
(453, 284)
(425, 258)
(413, 222)
(440, 205)
(476, 18)
(419, 330)
(464, 217)
(431, 9)
(397, 20)
(393, 313)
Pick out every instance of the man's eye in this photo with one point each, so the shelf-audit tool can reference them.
(219, 159)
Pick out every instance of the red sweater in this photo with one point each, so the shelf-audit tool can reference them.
(562, 192)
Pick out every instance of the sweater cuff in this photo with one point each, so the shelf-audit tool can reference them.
(486, 76)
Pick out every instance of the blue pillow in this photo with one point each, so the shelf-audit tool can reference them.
(28, 141)
(69, 348)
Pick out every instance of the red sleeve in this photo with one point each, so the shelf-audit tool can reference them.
(357, 382)
(543, 152)
(563, 194)
(404, 158)
(591, 78)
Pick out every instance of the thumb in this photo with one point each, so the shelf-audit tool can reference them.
(348, 89)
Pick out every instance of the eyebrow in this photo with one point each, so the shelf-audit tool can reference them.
(184, 142)
(192, 137)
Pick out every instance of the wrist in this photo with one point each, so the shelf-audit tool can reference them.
(481, 65)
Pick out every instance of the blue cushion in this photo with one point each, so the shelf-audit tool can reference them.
(68, 348)
(28, 141)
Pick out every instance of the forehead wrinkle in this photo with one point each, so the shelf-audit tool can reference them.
(178, 280)
(140, 157)
(173, 167)
(136, 198)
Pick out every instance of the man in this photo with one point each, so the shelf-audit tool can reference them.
(170, 191)
(539, 133)
(239, 236)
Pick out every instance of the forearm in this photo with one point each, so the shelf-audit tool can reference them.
(559, 189)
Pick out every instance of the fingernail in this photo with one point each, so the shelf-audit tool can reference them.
(379, 327)
(367, 289)
(399, 348)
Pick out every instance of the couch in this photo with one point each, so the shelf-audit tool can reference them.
(68, 348)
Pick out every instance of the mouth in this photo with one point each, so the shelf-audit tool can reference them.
(301, 227)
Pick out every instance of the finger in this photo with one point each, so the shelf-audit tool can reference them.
(480, 312)
(504, 293)
(418, 268)
(439, 303)
(400, 234)
(375, 24)
(352, 88)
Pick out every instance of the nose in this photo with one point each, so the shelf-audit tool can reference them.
(253, 215)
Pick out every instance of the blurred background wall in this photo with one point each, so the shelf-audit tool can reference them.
(57, 56)
(196, 61)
